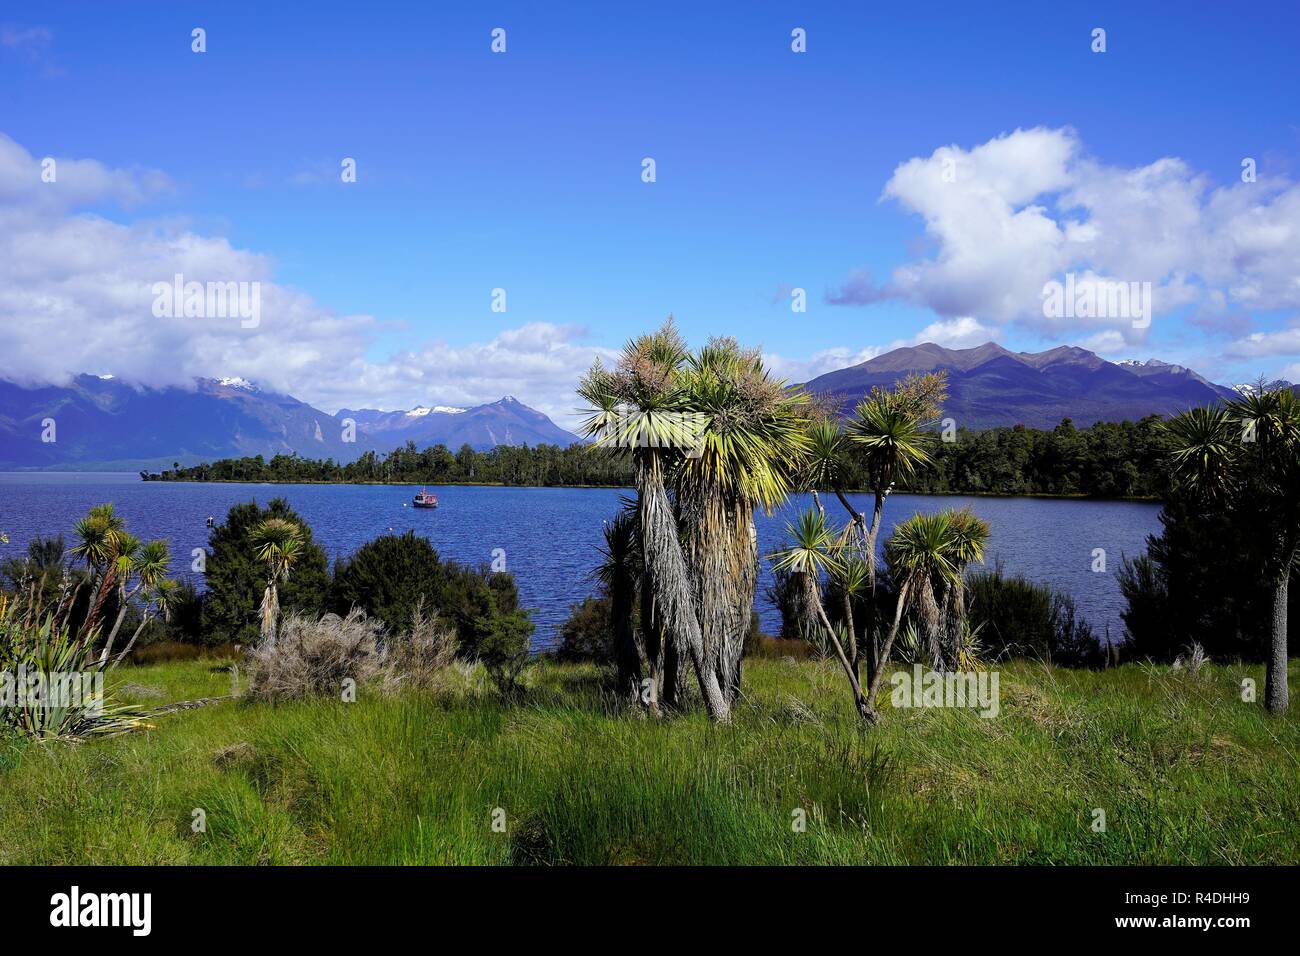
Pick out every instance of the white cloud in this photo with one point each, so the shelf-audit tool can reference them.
(538, 363)
(1109, 342)
(1027, 207)
(960, 333)
(77, 183)
(76, 295)
(1280, 342)
(795, 370)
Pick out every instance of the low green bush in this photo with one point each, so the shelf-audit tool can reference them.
(1016, 617)
(393, 575)
(587, 634)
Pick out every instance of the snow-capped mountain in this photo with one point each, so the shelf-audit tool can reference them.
(1250, 388)
(504, 422)
(101, 422)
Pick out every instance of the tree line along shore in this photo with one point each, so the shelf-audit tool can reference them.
(1105, 460)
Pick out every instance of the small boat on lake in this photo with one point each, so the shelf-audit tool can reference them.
(425, 500)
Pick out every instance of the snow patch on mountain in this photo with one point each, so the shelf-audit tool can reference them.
(420, 411)
(235, 381)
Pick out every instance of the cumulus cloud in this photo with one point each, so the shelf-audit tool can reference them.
(77, 294)
(1109, 342)
(1025, 208)
(77, 289)
(50, 186)
(963, 332)
(1279, 342)
(538, 363)
(960, 333)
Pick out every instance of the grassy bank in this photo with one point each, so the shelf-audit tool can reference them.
(1185, 772)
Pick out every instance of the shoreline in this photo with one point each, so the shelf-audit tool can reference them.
(502, 484)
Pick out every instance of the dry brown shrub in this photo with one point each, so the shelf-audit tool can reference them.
(422, 657)
(313, 657)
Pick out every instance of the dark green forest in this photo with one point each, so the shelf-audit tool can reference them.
(1105, 460)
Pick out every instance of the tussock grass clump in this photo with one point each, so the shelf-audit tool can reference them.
(1193, 662)
(312, 657)
(422, 657)
(796, 711)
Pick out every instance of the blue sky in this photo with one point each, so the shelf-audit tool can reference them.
(522, 171)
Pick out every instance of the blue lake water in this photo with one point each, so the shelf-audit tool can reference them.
(550, 535)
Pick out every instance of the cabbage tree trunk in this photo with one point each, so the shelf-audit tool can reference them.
(722, 561)
(1276, 694)
(676, 676)
(270, 611)
(812, 591)
(669, 578)
(652, 635)
(627, 655)
(882, 659)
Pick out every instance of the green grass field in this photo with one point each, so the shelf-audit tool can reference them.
(1185, 772)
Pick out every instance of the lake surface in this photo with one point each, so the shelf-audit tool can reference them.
(551, 535)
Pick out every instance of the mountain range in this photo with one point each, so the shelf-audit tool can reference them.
(101, 422)
(990, 386)
(97, 421)
(504, 422)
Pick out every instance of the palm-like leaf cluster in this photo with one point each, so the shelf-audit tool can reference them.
(893, 434)
(620, 564)
(98, 536)
(1207, 445)
(826, 461)
(814, 548)
(278, 543)
(641, 403)
(36, 634)
(754, 437)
